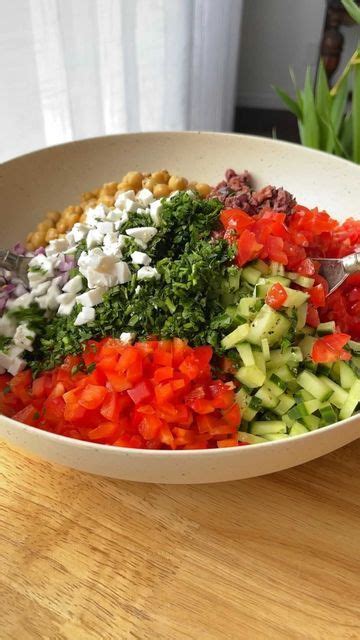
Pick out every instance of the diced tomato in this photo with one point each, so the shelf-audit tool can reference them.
(202, 406)
(275, 249)
(236, 219)
(163, 373)
(306, 267)
(228, 442)
(312, 316)
(247, 248)
(329, 348)
(141, 392)
(92, 396)
(233, 416)
(276, 296)
(317, 295)
(103, 431)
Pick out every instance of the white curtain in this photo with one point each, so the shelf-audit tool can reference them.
(73, 69)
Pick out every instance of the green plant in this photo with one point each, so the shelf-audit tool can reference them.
(327, 119)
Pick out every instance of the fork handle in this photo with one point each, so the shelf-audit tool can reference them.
(352, 262)
(9, 261)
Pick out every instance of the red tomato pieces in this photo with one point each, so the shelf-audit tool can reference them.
(329, 348)
(152, 395)
(276, 296)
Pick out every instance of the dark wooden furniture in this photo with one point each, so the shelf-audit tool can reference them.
(333, 39)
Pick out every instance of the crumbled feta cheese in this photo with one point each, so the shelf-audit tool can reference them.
(87, 314)
(93, 215)
(7, 326)
(65, 298)
(125, 195)
(41, 289)
(92, 297)
(22, 301)
(74, 285)
(130, 206)
(43, 263)
(144, 234)
(114, 214)
(56, 246)
(80, 231)
(24, 337)
(145, 273)
(138, 257)
(51, 296)
(94, 238)
(66, 308)
(97, 278)
(123, 273)
(105, 227)
(18, 364)
(120, 222)
(145, 196)
(127, 337)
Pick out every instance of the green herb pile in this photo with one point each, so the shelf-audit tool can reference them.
(187, 301)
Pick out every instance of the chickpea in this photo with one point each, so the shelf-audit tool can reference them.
(176, 183)
(108, 189)
(160, 177)
(108, 201)
(61, 226)
(123, 186)
(71, 219)
(88, 195)
(90, 203)
(38, 239)
(148, 183)
(134, 179)
(29, 246)
(53, 216)
(203, 189)
(51, 234)
(161, 190)
(44, 225)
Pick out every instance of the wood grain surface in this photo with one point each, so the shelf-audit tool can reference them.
(86, 558)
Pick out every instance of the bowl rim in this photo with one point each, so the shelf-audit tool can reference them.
(48, 435)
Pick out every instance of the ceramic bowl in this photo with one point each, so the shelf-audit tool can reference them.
(54, 177)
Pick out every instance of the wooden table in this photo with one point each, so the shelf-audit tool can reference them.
(85, 558)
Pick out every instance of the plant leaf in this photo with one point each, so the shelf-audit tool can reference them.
(339, 105)
(356, 113)
(311, 133)
(346, 134)
(289, 102)
(352, 9)
(338, 147)
(323, 102)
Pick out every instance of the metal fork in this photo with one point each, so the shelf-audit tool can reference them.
(336, 270)
(16, 264)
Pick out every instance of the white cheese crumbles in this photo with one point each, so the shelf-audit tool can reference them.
(101, 266)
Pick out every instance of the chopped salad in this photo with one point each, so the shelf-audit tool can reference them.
(190, 321)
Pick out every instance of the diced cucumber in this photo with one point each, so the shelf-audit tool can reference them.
(259, 360)
(246, 354)
(287, 421)
(297, 429)
(339, 395)
(313, 385)
(276, 268)
(239, 334)
(347, 376)
(304, 395)
(265, 349)
(249, 438)
(249, 414)
(232, 311)
(306, 346)
(274, 388)
(251, 377)
(284, 374)
(281, 279)
(278, 381)
(250, 275)
(243, 399)
(234, 278)
(304, 409)
(261, 290)
(261, 266)
(354, 346)
(351, 402)
(275, 436)
(290, 357)
(263, 427)
(305, 282)
(301, 316)
(311, 422)
(295, 298)
(328, 414)
(269, 401)
(255, 403)
(325, 327)
(246, 307)
(268, 324)
(284, 405)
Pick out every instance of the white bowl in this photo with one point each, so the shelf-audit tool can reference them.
(54, 177)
